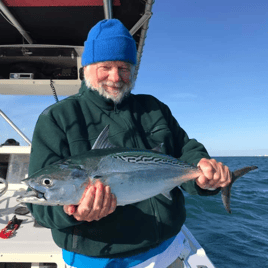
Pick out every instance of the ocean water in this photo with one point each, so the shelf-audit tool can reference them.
(239, 239)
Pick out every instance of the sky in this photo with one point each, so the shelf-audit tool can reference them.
(205, 59)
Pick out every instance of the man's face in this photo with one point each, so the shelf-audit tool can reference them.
(112, 79)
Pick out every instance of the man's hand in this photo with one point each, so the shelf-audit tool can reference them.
(214, 175)
(96, 203)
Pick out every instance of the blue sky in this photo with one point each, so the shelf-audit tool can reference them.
(207, 60)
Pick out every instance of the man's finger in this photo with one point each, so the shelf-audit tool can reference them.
(86, 205)
(113, 204)
(98, 202)
(207, 167)
(69, 209)
(106, 202)
(226, 177)
(201, 181)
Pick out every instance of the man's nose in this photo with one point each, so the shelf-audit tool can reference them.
(114, 75)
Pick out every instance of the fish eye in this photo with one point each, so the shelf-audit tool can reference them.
(47, 182)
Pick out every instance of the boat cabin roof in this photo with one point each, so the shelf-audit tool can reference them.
(63, 22)
(51, 33)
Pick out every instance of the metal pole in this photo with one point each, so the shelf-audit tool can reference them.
(141, 22)
(15, 127)
(108, 12)
(15, 22)
(145, 26)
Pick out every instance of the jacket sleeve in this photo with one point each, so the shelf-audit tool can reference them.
(49, 144)
(189, 151)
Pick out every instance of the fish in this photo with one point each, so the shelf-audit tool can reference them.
(133, 175)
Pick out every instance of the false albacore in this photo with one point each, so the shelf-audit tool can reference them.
(133, 175)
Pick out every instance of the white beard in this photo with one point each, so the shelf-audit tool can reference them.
(127, 88)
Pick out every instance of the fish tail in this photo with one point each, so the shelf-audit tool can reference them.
(226, 191)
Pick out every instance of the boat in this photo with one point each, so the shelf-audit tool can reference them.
(40, 54)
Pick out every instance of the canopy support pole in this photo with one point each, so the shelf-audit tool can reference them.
(141, 22)
(15, 22)
(108, 12)
(144, 21)
(15, 127)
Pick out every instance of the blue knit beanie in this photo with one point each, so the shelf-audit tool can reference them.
(109, 40)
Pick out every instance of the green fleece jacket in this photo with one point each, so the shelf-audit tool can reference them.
(70, 127)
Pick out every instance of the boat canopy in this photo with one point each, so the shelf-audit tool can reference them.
(43, 40)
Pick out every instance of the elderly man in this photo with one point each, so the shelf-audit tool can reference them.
(96, 233)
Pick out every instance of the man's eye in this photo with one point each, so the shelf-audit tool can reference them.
(104, 67)
(124, 69)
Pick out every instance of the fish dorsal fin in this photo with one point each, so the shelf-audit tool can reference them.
(102, 142)
(167, 195)
(158, 148)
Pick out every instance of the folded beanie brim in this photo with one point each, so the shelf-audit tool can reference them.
(117, 48)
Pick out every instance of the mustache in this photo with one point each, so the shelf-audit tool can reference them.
(112, 84)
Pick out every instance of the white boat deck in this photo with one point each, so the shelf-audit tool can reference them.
(29, 244)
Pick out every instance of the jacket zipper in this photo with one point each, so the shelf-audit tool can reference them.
(128, 125)
(115, 109)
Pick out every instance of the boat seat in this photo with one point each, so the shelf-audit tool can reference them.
(10, 142)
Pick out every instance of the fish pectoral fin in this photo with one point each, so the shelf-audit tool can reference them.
(102, 141)
(167, 195)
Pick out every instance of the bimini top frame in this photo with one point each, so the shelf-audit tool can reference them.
(52, 23)
(3, 115)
